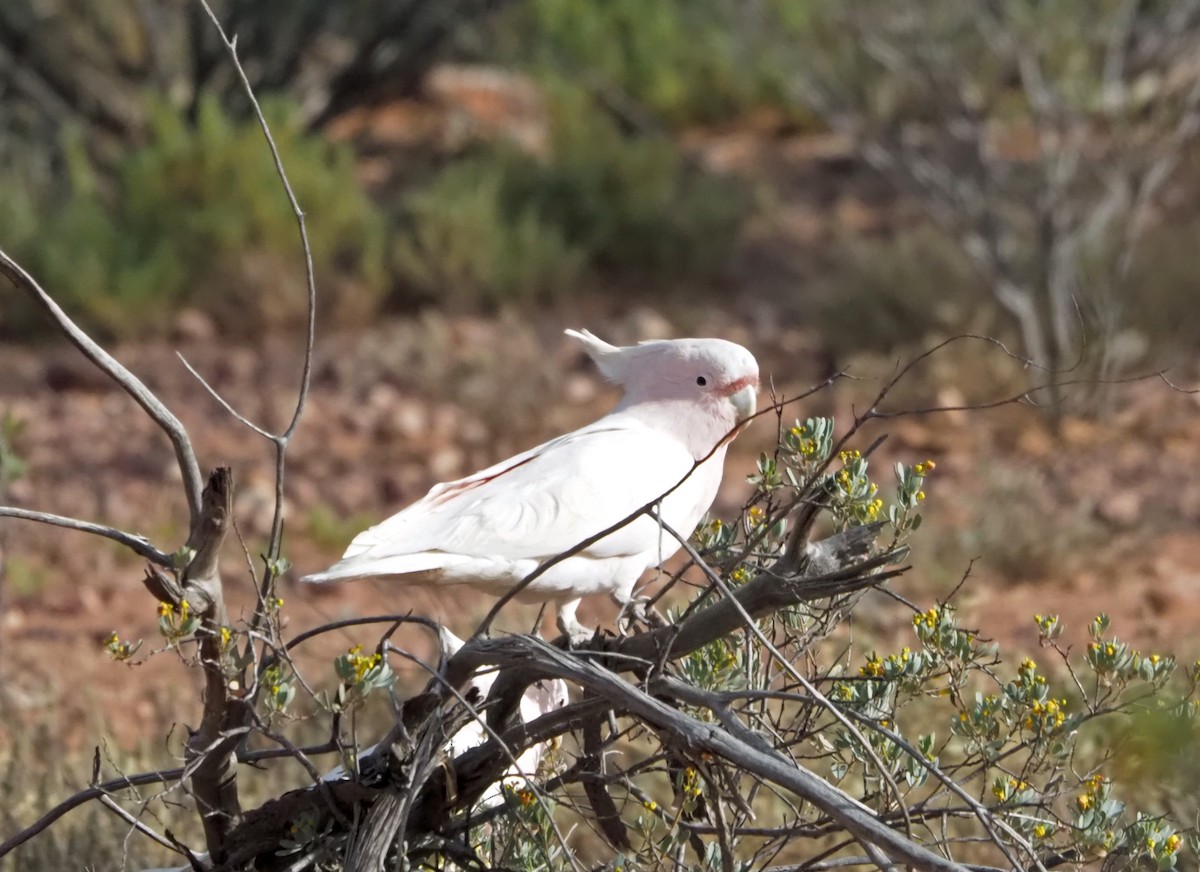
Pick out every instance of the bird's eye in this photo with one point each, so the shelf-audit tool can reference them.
(701, 380)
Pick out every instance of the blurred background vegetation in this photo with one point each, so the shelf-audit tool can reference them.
(1021, 168)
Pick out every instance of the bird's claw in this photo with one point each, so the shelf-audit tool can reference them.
(577, 634)
(638, 611)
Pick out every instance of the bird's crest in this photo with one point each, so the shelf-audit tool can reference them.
(611, 360)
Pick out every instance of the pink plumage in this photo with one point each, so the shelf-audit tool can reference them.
(682, 402)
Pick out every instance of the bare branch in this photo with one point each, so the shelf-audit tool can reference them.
(140, 545)
(130, 383)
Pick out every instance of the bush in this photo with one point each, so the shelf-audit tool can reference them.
(687, 61)
(464, 245)
(886, 293)
(502, 224)
(196, 217)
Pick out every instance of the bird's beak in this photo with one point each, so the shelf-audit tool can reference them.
(745, 401)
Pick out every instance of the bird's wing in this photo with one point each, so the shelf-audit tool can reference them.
(537, 504)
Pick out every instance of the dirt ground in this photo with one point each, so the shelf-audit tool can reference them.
(1105, 516)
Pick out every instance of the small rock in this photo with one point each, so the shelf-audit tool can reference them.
(1035, 442)
(580, 389)
(406, 418)
(446, 463)
(192, 325)
(646, 323)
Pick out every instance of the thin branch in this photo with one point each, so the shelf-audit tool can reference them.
(131, 384)
(148, 831)
(224, 403)
(140, 545)
(281, 441)
(310, 278)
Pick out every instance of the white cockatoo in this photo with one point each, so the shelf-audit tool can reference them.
(683, 402)
(540, 698)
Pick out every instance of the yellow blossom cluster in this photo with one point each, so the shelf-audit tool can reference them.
(928, 619)
(526, 797)
(1002, 790)
(166, 610)
(874, 667)
(1092, 789)
(923, 469)
(691, 782)
(807, 447)
(1046, 716)
(362, 663)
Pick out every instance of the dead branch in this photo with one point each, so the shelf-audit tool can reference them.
(140, 545)
(210, 749)
(131, 384)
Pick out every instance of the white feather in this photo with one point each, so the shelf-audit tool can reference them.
(494, 527)
(682, 401)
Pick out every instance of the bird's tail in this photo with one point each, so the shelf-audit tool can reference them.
(366, 565)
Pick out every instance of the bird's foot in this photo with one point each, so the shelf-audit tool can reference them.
(638, 611)
(577, 634)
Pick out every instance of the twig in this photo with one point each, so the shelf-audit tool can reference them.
(131, 384)
(109, 803)
(140, 545)
(280, 440)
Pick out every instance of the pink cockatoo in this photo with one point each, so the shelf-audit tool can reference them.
(683, 402)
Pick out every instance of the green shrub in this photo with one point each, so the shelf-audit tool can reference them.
(464, 245)
(884, 293)
(687, 61)
(502, 224)
(197, 217)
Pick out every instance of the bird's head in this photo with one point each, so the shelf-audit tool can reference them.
(714, 375)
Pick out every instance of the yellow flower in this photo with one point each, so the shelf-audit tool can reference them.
(278, 602)
(920, 495)
(164, 609)
(1173, 843)
(1040, 831)
(1084, 800)
(650, 805)
(1154, 658)
(226, 635)
(526, 798)
(874, 667)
